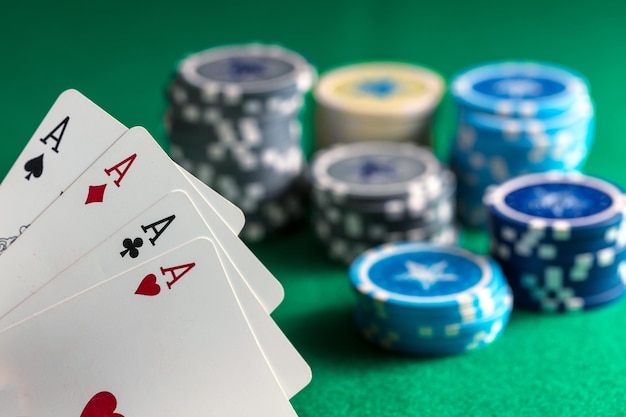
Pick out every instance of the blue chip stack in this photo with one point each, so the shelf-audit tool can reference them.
(233, 122)
(369, 193)
(560, 239)
(516, 118)
(429, 299)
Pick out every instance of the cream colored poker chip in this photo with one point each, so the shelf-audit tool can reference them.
(386, 89)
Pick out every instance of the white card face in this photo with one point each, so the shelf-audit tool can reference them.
(132, 175)
(170, 222)
(164, 339)
(74, 133)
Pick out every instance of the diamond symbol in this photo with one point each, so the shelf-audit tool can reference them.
(95, 194)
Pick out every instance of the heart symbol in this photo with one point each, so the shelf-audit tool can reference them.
(148, 286)
(102, 404)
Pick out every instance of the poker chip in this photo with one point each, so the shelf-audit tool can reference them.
(516, 118)
(430, 299)
(560, 239)
(368, 193)
(233, 121)
(519, 88)
(377, 101)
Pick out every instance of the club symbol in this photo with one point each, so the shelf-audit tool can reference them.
(131, 247)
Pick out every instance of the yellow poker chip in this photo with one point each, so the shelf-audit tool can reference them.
(381, 89)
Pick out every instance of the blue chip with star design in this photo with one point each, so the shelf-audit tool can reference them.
(556, 200)
(415, 274)
(519, 88)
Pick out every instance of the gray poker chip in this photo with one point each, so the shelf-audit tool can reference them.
(376, 171)
(232, 120)
(345, 249)
(239, 70)
(370, 193)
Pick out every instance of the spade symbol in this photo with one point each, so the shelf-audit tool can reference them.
(34, 167)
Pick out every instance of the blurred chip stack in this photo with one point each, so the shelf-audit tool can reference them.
(560, 239)
(377, 101)
(369, 193)
(233, 122)
(516, 118)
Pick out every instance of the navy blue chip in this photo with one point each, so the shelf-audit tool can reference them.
(559, 200)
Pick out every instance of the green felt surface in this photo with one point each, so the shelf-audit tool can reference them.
(120, 54)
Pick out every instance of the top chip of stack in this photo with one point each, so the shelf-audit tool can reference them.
(377, 101)
(233, 121)
(516, 118)
(519, 89)
(560, 239)
(369, 193)
(254, 79)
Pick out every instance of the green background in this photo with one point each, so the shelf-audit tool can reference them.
(121, 53)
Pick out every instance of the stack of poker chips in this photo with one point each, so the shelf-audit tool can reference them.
(421, 298)
(233, 122)
(516, 118)
(369, 193)
(377, 101)
(560, 239)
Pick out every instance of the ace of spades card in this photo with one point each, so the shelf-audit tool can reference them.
(149, 257)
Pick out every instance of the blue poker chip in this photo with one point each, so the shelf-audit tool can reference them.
(608, 297)
(428, 326)
(524, 240)
(560, 239)
(519, 88)
(423, 275)
(579, 275)
(562, 203)
(572, 127)
(423, 298)
(452, 343)
(424, 328)
(461, 316)
(555, 303)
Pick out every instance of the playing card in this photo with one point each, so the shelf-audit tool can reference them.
(169, 223)
(133, 174)
(71, 136)
(227, 211)
(166, 338)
